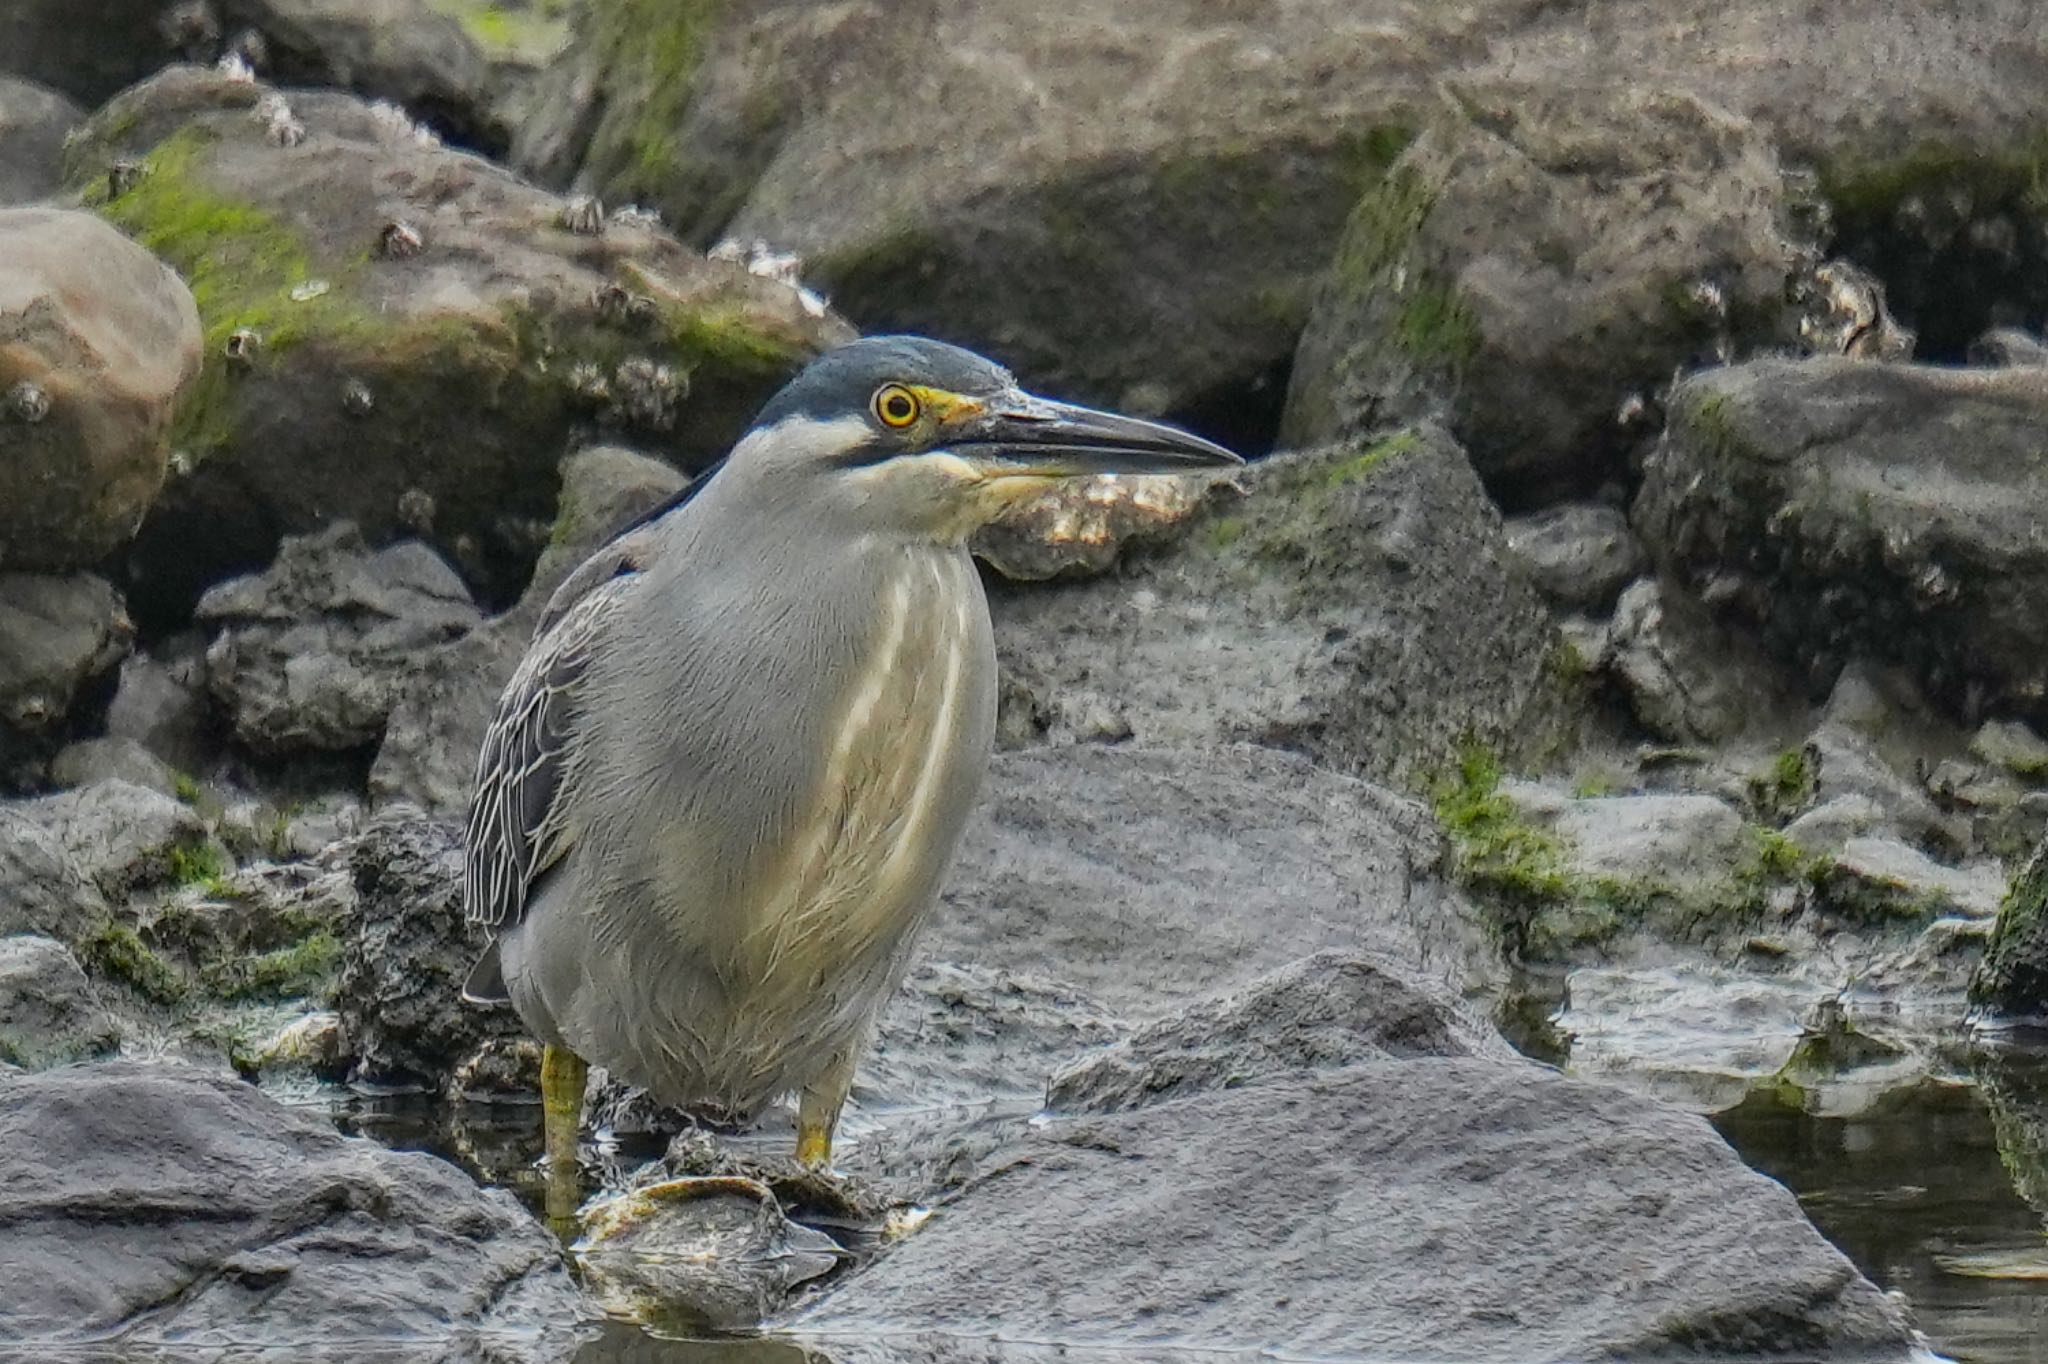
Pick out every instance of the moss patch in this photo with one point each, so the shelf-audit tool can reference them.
(648, 51)
(114, 951)
(1786, 787)
(529, 34)
(304, 968)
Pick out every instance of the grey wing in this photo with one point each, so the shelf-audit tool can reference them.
(517, 821)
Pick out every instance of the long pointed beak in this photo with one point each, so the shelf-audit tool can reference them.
(1037, 437)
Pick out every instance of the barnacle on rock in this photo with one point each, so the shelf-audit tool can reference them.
(633, 215)
(583, 215)
(588, 382)
(647, 393)
(191, 29)
(356, 398)
(618, 306)
(242, 345)
(416, 510)
(236, 68)
(123, 176)
(252, 47)
(26, 402)
(400, 241)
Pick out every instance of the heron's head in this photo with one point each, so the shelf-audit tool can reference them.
(930, 438)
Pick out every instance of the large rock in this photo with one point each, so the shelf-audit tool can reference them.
(98, 340)
(33, 122)
(1689, 680)
(1098, 161)
(48, 1013)
(1358, 605)
(1538, 258)
(1099, 888)
(406, 336)
(57, 636)
(312, 654)
(428, 756)
(1845, 508)
(166, 1205)
(1469, 1209)
(1579, 555)
(2013, 978)
(117, 835)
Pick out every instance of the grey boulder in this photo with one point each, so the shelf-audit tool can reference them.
(102, 339)
(58, 634)
(33, 122)
(49, 1014)
(311, 654)
(1845, 508)
(1579, 555)
(179, 1208)
(1437, 1208)
(1357, 604)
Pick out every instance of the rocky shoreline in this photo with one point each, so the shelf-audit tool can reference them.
(1627, 644)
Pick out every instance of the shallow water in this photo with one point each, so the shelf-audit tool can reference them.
(1923, 1192)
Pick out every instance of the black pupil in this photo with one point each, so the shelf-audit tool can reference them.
(897, 407)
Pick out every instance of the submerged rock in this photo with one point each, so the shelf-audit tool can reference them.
(2013, 978)
(1470, 1209)
(180, 1209)
(102, 339)
(1357, 604)
(403, 335)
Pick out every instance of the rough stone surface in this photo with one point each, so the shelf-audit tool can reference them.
(1837, 508)
(1060, 222)
(43, 890)
(420, 389)
(401, 50)
(1683, 842)
(1539, 257)
(91, 761)
(1321, 1013)
(98, 340)
(1579, 555)
(49, 1015)
(33, 121)
(172, 1205)
(312, 653)
(1467, 1209)
(113, 834)
(428, 756)
(1358, 604)
(1881, 876)
(2013, 978)
(406, 953)
(1686, 679)
(161, 703)
(45, 41)
(1082, 527)
(57, 634)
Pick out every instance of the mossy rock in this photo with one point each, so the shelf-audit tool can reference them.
(2013, 977)
(1536, 258)
(403, 335)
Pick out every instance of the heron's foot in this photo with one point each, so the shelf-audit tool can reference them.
(562, 1075)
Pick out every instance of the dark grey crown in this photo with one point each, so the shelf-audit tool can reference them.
(840, 382)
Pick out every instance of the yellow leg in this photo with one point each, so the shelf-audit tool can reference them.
(817, 1114)
(562, 1073)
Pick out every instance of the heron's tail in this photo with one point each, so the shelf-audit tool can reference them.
(486, 983)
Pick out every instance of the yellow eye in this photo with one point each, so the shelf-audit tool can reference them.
(896, 406)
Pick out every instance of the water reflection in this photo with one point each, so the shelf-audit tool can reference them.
(1924, 1193)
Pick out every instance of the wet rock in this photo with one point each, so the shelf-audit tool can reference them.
(1358, 604)
(1686, 679)
(161, 703)
(1877, 878)
(419, 393)
(170, 1205)
(406, 51)
(1865, 509)
(436, 729)
(1580, 555)
(49, 1015)
(2013, 978)
(42, 888)
(1468, 1209)
(1078, 194)
(116, 835)
(1875, 736)
(102, 339)
(57, 635)
(1082, 527)
(92, 761)
(1832, 823)
(311, 654)
(1699, 1035)
(1666, 842)
(1541, 257)
(717, 1253)
(407, 951)
(1322, 1013)
(33, 121)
